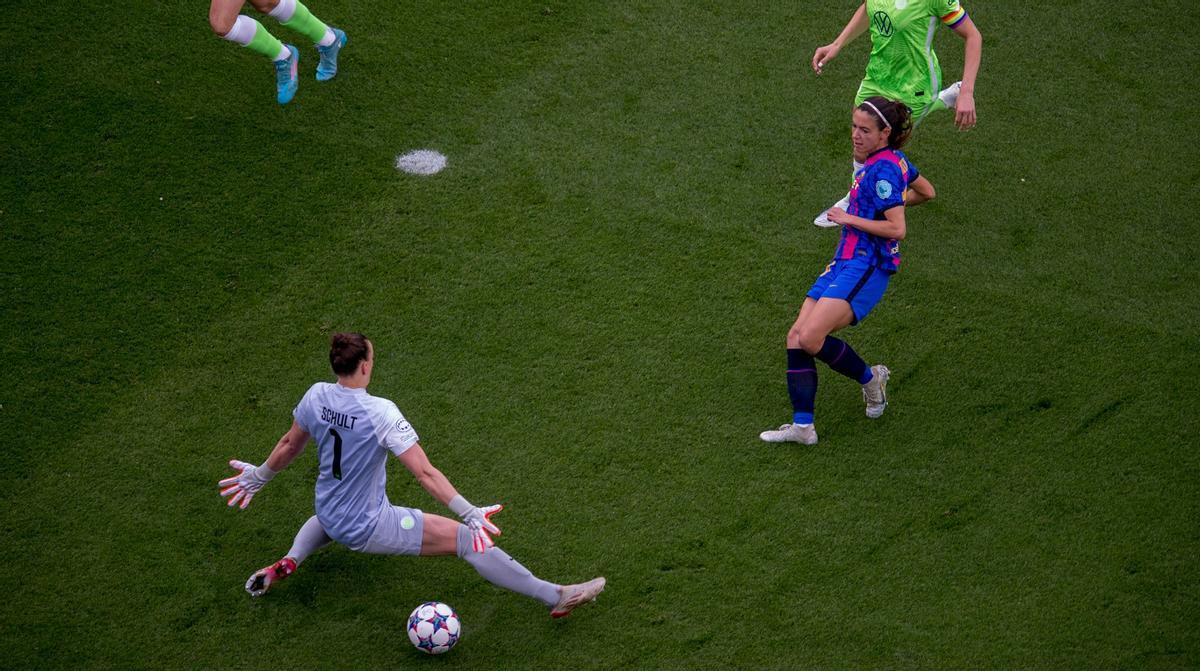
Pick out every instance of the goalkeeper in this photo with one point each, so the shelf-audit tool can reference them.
(354, 432)
(903, 65)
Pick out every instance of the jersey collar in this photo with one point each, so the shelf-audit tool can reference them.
(874, 156)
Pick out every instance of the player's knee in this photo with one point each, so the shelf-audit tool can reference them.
(793, 338)
(463, 545)
(221, 25)
(809, 339)
(264, 6)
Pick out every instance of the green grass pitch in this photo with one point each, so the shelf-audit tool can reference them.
(583, 316)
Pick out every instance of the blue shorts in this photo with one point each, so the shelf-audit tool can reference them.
(856, 281)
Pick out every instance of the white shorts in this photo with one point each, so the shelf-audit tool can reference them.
(397, 532)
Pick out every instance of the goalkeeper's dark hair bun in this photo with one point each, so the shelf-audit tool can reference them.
(346, 351)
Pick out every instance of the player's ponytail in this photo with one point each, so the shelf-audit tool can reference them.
(890, 114)
(346, 351)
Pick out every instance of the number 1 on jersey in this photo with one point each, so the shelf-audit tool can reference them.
(337, 453)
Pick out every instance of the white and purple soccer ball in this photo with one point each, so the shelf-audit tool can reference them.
(434, 627)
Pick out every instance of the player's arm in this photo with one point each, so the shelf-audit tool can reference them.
(891, 228)
(290, 446)
(242, 487)
(920, 190)
(433, 481)
(964, 110)
(429, 477)
(855, 27)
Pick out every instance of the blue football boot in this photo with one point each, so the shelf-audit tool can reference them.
(286, 79)
(327, 68)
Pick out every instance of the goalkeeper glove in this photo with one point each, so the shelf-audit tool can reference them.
(243, 486)
(478, 520)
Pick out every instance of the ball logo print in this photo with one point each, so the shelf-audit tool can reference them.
(883, 189)
(434, 628)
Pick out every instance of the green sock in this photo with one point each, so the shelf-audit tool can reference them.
(264, 42)
(306, 24)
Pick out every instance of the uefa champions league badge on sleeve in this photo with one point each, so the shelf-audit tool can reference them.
(883, 189)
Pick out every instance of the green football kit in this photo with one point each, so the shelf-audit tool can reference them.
(903, 65)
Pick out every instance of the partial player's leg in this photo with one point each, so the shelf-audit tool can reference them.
(857, 289)
(443, 536)
(328, 40)
(801, 384)
(309, 539)
(226, 20)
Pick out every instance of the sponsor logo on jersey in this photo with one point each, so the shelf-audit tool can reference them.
(882, 23)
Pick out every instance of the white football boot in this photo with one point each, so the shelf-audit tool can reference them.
(949, 95)
(805, 434)
(571, 596)
(875, 391)
(823, 219)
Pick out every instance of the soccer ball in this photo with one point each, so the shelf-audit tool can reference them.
(434, 627)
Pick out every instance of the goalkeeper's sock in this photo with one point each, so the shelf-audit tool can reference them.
(802, 385)
(843, 359)
(309, 539)
(251, 34)
(294, 15)
(498, 568)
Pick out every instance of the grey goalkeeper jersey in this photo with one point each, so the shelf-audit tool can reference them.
(354, 432)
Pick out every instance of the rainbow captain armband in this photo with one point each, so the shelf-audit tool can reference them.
(955, 16)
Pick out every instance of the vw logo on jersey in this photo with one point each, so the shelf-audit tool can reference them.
(883, 189)
(901, 4)
(883, 23)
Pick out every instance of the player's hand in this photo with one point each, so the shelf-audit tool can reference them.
(964, 111)
(838, 216)
(823, 55)
(241, 488)
(479, 521)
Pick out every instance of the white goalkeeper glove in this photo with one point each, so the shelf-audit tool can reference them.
(478, 520)
(243, 486)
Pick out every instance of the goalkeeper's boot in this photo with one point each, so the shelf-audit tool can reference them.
(261, 581)
(327, 68)
(949, 95)
(875, 391)
(805, 434)
(286, 78)
(823, 219)
(572, 596)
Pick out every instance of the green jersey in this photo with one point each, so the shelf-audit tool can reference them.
(903, 65)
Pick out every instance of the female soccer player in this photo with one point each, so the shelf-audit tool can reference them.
(903, 65)
(867, 256)
(354, 432)
(228, 22)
